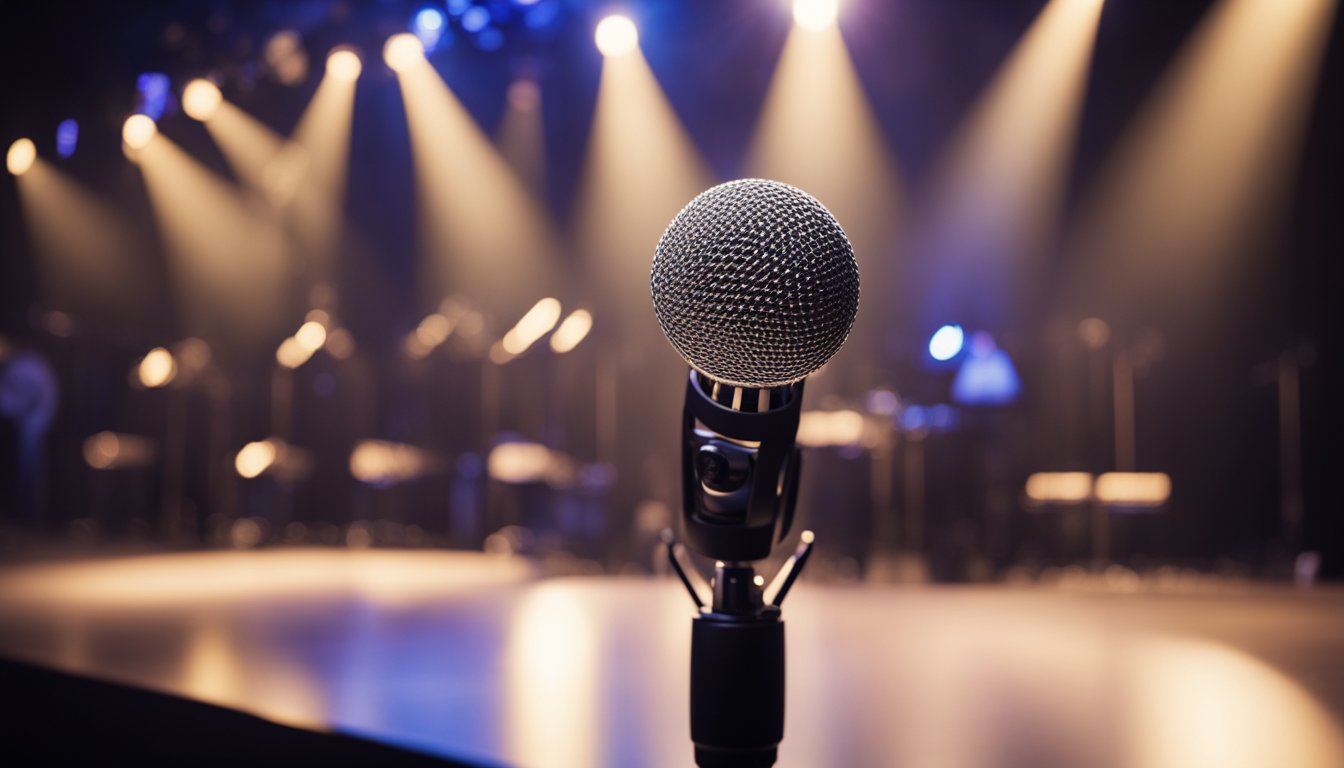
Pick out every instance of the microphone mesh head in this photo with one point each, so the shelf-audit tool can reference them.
(755, 284)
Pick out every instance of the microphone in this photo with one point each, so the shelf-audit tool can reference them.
(755, 285)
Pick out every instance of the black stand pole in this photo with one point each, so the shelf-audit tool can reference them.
(737, 663)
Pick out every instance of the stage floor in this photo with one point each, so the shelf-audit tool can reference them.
(471, 656)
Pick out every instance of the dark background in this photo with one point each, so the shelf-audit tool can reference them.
(1207, 411)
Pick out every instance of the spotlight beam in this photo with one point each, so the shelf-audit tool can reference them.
(636, 136)
(322, 140)
(249, 147)
(21, 156)
(997, 190)
(200, 99)
(302, 178)
(89, 259)
(640, 168)
(138, 131)
(228, 259)
(1201, 176)
(616, 36)
(481, 232)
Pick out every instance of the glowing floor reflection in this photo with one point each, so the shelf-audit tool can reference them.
(467, 656)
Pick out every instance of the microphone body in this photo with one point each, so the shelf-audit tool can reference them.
(756, 286)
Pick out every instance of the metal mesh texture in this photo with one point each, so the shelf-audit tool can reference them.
(755, 283)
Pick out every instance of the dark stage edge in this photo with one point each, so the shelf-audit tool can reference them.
(53, 718)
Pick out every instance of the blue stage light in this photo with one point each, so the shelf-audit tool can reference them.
(541, 15)
(429, 24)
(428, 19)
(67, 136)
(458, 7)
(988, 377)
(154, 89)
(946, 342)
(475, 18)
(489, 39)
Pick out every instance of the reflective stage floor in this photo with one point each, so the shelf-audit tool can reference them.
(470, 656)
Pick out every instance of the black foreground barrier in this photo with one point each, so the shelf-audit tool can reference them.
(53, 718)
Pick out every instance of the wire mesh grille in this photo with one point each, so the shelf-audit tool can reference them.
(755, 283)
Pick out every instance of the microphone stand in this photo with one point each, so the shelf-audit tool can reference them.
(740, 484)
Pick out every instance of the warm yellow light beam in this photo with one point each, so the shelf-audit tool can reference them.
(815, 15)
(311, 335)
(1059, 487)
(996, 193)
(200, 99)
(616, 35)
(344, 65)
(303, 178)
(384, 463)
(21, 156)
(1135, 489)
(572, 331)
(89, 259)
(819, 429)
(818, 132)
(1201, 176)
(617, 219)
(403, 52)
(228, 259)
(538, 321)
(618, 216)
(636, 137)
(293, 353)
(482, 234)
(137, 131)
(255, 457)
(157, 368)
(252, 150)
(319, 150)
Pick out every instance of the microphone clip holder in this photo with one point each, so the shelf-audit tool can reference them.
(739, 467)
